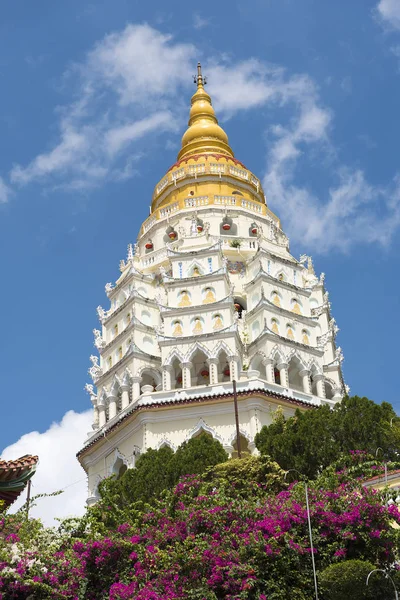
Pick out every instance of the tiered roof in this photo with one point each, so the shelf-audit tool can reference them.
(14, 476)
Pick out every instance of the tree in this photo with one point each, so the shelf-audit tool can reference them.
(304, 442)
(194, 456)
(313, 439)
(155, 471)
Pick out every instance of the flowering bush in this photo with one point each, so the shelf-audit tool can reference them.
(201, 543)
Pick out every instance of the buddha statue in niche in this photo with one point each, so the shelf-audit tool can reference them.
(296, 307)
(289, 333)
(209, 297)
(275, 327)
(184, 299)
(178, 328)
(275, 299)
(198, 327)
(305, 338)
(217, 322)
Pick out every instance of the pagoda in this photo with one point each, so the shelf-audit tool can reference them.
(208, 295)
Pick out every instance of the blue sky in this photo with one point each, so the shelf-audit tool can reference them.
(94, 101)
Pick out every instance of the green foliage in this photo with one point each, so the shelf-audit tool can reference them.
(347, 580)
(240, 477)
(193, 457)
(312, 440)
(156, 471)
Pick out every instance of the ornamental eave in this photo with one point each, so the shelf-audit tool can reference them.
(263, 274)
(273, 337)
(168, 311)
(265, 303)
(178, 400)
(230, 331)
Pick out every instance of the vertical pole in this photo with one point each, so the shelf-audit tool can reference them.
(311, 544)
(28, 498)
(239, 450)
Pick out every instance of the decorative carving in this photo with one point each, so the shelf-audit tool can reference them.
(339, 355)
(130, 252)
(322, 278)
(333, 327)
(109, 287)
(98, 340)
(122, 265)
(95, 371)
(89, 388)
(101, 313)
(347, 389)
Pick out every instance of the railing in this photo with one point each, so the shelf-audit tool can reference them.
(196, 201)
(239, 173)
(217, 168)
(154, 257)
(195, 169)
(148, 224)
(211, 168)
(171, 208)
(251, 206)
(163, 184)
(225, 200)
(178, 174)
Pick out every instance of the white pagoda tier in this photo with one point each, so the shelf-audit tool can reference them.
(209, 294)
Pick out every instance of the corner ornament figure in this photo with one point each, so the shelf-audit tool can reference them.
(95, 370)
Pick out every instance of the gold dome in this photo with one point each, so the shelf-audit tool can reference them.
(203, 135)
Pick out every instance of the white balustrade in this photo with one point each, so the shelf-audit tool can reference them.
(178, 174)
(163, 184)
(196, 201)
(217, 168)
(196, 169)
(252, 206)
(149, 223)
(154, 257)
(226, 200)
(255, 182)
(171, 208)
(239, 173)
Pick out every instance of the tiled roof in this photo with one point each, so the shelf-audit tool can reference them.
(195, 399)
(14, 475)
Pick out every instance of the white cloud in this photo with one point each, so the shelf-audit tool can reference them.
(200, 22)
(5, 192)
(389, 12)
(129, 87)
(125, 89)
(58, 466)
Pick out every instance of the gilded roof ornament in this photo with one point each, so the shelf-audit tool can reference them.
(203, 135)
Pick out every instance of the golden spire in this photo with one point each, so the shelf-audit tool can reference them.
(203, 135)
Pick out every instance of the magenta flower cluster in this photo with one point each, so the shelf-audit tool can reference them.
(208, 547)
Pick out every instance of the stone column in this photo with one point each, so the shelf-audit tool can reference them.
(95, 412)
(167, 378)
(284, 374)
(135, 388)
(102, 412)
(269, 369)
(125, 395)
(319, 380)
(112, 406)
(213, 364)
(233, 366)
(186, 375)
(305, 374)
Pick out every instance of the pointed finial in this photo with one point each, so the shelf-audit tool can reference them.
(200, 80)
(203, 135)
